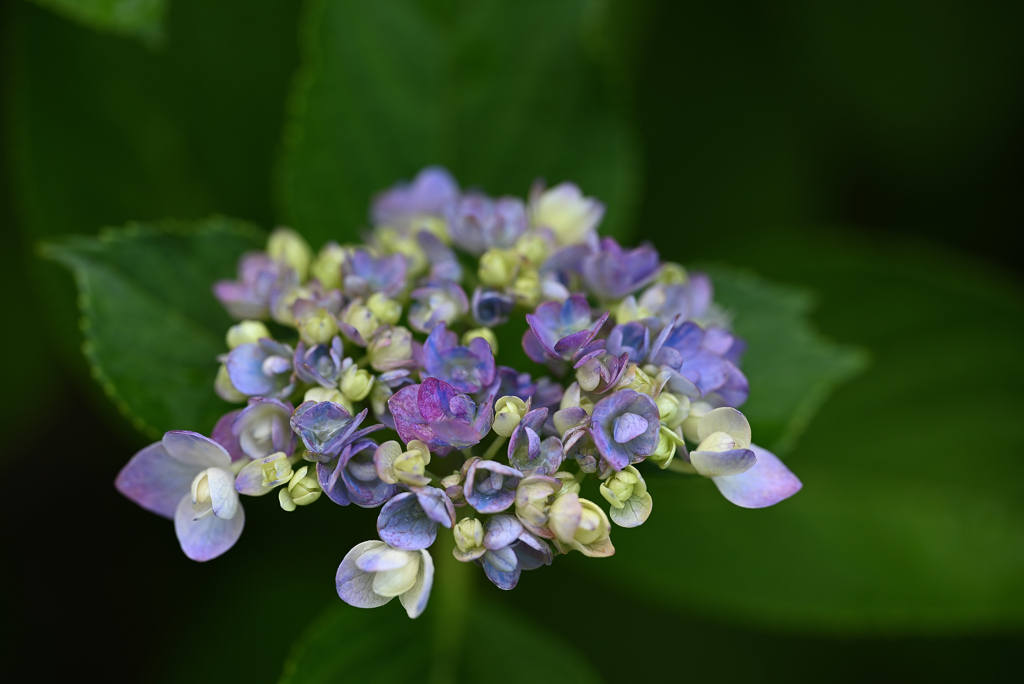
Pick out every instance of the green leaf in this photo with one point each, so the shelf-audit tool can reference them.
(910, 519)
(384, 645)
(792, 369)
(498, 92)
(142, 19)
(152, 326)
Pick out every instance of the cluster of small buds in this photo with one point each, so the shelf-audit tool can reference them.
(638, 364)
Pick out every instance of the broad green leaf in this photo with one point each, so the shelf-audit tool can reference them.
(152, 327)
(383, 645)
(501, 93)
(791, 368)
(910, 519)
(139, 18)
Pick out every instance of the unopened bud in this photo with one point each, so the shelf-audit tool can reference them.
(673, 408)
(356, 383)
(469, 534)
(302, 490)
(276, 471)
(486, 334)
(327, 266)
(387, 310)
(317, 327)
(246, 332)
(527, 288)
(362, 319)
(508, 411)
(672, 274)
(498, 267)
(391, 349)
(288, 247)
(533, 248)
(321, 394)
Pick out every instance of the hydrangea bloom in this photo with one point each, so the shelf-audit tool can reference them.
(643, 372)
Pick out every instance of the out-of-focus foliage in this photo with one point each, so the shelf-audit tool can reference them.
(142, 19)
(152, 326)
(500, 93)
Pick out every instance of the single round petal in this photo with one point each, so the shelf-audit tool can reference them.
(766, 484)
(403, 524)
(194, 449)
(223, 496)
(634, 512)
(727, 420)
(354, 585)
(155, 480)
(501, 531)
(208, 537)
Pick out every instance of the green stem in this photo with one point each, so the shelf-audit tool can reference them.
(450, 600)
(493, 448)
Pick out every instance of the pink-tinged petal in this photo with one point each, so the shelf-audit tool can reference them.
(194, 449)
(766, 484)
(355, 586)
(208, 537)
(415, 599)
(155, 481)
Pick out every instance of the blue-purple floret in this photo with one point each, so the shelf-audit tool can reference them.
(559, 330)
(436, 302)
(611, 272)
(429, 194)
(366, 274)
(327, 428)
(262, 369)
(478, 223)
(409, 521)
(352, 477)
(699, 361)
(320, 364)
(437, 414)
(248, 297)
(625, 428)
(510, 549)
(490, 487)
(468, 369)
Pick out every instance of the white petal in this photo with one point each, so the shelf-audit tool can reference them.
(209, 537)
(415, 600)
(729, 421)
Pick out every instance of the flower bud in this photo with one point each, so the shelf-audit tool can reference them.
(533, 248)
(672, 274)
(628, 311)
(356, 383)
(570, 485)
(453, 480)
(498, 267)
(581, 525)
(534, 495)
(246, 332)
(409, 467)
(321, 394)
(636, 379)
(288, 247)
(486, 334)
(618, 488)
(387, 310)
(317, 326)
(508, 411)
(396, 242)
(668, 442)
(527, 288)
(564, 209)
(698, 410)
(469, 535)
(362, 319)
(302, 490)
(673, 408)
(276, 471)
(327, 266)
(391, 349)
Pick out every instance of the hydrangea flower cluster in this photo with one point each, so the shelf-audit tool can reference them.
(335, 350)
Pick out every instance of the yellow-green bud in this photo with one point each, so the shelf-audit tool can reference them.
(390, 348)
(469, 534)
(668, 442)
(698, 410)
(321, 394)
(302, 490)
(527, 288)
(288, 247)
(246, 332)
(498, 267)
(672, 274)
(411, 466)
(508, 411)
(387, 310)
(486, 333)
(533, 248)
(362, 319)
(327, 266)
(636, 379)
(317, 327)
(618, 488)
(356, 383)
(673, 408)
(224, 389)
(570, 485)
(277, 471)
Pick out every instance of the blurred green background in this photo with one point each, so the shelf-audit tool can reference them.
(871, 153)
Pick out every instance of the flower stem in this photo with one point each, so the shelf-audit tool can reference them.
(453, 585)
(493, 448)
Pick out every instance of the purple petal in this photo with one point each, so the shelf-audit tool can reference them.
(766, 484)
(208, 537)
(223, 435)
(155, 481)
(194, 449)
(629, 426)
(403, 524)
(501, 531)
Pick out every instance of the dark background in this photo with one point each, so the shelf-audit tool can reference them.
(889, 121)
